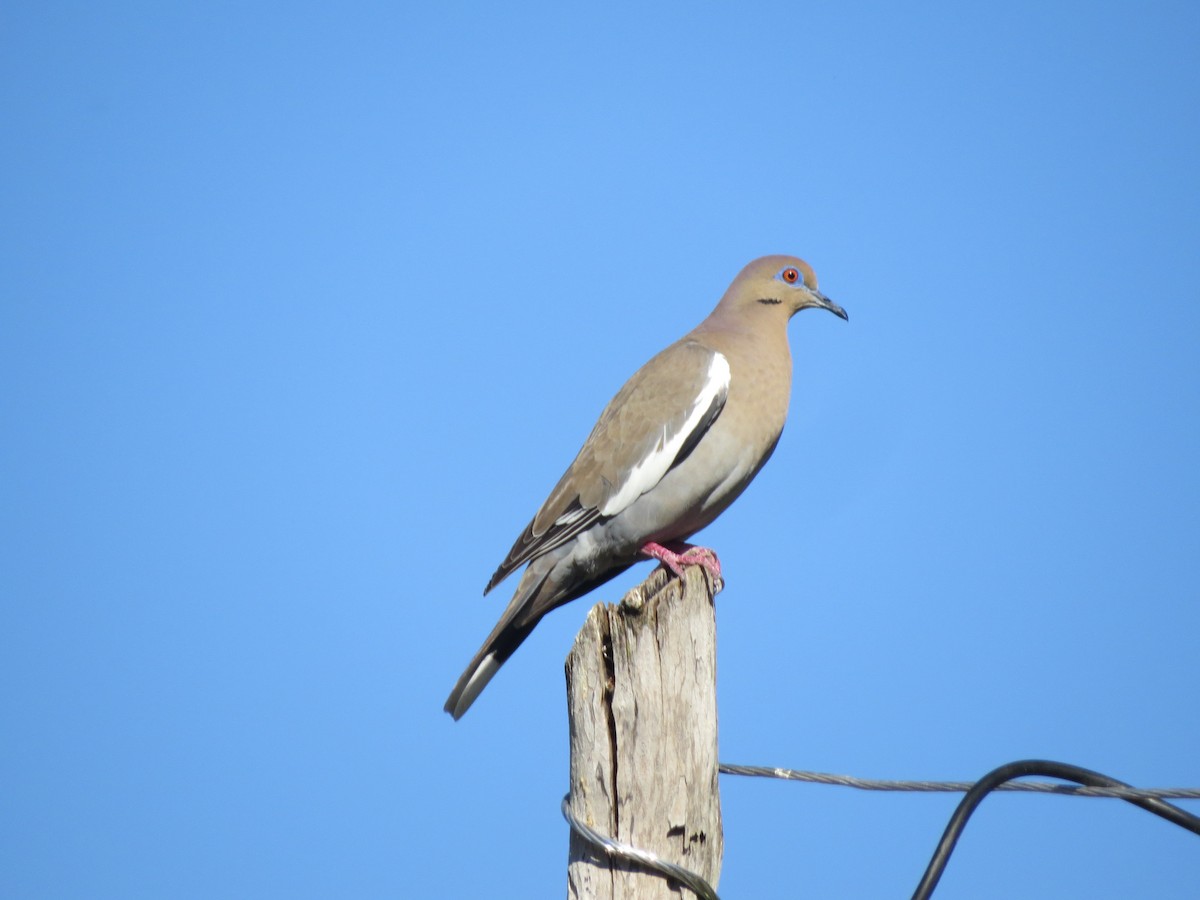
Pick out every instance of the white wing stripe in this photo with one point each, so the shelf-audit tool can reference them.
(647, 473)
(571, 516)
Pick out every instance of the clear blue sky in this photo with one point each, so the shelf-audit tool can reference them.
(306, 307)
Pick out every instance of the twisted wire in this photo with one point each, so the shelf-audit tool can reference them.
(1101, 786)
(1042, 787)
(644, 858)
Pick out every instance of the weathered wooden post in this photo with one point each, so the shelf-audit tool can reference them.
(641, 692)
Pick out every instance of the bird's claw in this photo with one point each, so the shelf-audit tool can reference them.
(680, 554)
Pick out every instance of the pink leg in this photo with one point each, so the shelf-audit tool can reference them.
(680, 554)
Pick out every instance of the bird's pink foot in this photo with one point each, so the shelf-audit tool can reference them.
(678, 554)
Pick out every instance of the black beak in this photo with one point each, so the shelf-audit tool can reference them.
(825, 303)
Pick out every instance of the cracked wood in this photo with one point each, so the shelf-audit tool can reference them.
(641, 692)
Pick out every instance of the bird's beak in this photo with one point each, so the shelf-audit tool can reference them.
(825, 303)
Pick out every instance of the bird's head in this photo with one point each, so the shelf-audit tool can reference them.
(782, 283)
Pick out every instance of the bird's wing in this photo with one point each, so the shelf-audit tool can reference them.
(649, 427)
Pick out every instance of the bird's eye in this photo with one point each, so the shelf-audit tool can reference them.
(790, 275)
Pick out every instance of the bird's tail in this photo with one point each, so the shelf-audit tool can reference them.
(520, 617)
(539, 592)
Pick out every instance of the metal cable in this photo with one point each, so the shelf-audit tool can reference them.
(999, 776)
(1147, 797)
(645, 858)
(1042, 787)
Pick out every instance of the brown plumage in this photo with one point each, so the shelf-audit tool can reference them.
(676, 445)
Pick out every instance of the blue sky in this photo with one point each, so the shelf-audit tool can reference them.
(306, 307)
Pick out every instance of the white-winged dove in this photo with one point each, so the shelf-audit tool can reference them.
(676, 445)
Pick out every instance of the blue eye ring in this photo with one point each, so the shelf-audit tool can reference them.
(790, 275)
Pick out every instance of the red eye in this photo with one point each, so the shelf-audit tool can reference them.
(791, 276)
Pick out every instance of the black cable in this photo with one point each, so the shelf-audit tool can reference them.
(1045, 768)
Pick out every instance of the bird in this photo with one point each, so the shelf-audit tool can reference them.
(675, 446)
